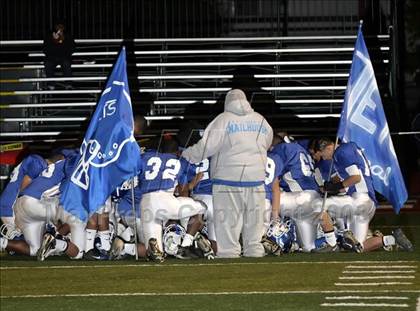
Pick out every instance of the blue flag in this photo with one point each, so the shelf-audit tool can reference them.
(109, 154)
(363, 121)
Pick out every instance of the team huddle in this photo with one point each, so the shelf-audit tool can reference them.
(187, 202)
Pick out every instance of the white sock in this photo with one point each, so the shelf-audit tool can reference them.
(60, 246)
(90, 238)
(388, 240)
(105, 237)
(129, 248)
(3, 244)
(187, 241)
(330, 238)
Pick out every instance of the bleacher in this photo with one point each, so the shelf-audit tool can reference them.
(298, 83)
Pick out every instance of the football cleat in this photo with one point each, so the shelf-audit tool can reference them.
(47, 246)
(186, 253)
(402, 241)
(326, 248)
(96, 254)
(117, 248)
(204, 245)
(153, 252)
(349, 242)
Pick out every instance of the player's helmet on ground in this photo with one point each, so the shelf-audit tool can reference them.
(172, 238)
(282, 234)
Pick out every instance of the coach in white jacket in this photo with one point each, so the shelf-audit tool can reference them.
(237, 141)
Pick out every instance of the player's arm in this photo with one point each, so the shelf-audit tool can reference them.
(275, 201)
(25, 182)
(185, 189)
(339, 186)
(209, 144)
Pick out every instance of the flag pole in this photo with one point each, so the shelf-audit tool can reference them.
(324, 199)
(133, 206)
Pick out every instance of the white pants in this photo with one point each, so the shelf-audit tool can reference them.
(267, 215)
(209, 214)
(159, 207)
(239, 210)
(356, 211)
(31, 216)
(301, 207)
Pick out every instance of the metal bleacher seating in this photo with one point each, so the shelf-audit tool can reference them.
(298, 83)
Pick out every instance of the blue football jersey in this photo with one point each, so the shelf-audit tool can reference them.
(204, 186)
(125, 199)
(349, 160)
(32, 166)
(125, 207)
(47, 182)
(298, 172)
(161, 171)
(273, 169)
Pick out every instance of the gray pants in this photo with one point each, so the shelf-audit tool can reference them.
(239, 210)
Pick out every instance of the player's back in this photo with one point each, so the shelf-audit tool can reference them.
(349, 160)
(160, 172)
(204, 186)
(298, 168)
(48, 182)
(31, 166)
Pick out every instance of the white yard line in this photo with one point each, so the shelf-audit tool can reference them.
(376, 277)
(362, 304)
(380, 267)
(367, 297)
(378, 271)
(105, 266)
(210, 293)
(373, 284)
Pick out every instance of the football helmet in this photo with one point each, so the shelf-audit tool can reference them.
(172, 238)
(281, 235)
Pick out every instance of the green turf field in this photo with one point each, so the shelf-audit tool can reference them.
(375, 281)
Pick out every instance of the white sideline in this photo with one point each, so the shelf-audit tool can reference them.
(205, 293)
(195, 264)
(373, 284)
(376, 277)
(367, 297)
(362, 304)
(381, 267)
(378, 271)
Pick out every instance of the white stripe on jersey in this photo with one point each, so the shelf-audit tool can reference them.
(361, 186)
(292, 183)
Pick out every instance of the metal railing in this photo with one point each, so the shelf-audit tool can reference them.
(28, 19)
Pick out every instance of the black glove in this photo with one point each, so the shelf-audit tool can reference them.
(333, 188)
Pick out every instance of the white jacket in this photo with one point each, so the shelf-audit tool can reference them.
(237, 141)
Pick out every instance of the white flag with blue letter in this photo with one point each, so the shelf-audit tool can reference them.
(109, 154)
(363, 121)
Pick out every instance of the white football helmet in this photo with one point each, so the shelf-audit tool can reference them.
(172, 238)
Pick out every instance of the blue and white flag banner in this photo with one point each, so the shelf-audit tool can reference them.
(363, 121)
(109, 154)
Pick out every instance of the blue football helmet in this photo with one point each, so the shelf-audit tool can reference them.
(282, 234)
